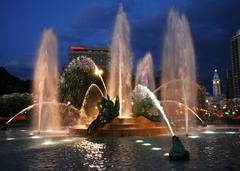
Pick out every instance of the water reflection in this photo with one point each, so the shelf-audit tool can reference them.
(207, 152)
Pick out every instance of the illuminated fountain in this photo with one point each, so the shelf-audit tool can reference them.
(144, 73)
(120, 81)
(45, 82)
(178, 63)
(120, 85)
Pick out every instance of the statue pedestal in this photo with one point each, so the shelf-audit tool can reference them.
(177, 151)
(120, 127)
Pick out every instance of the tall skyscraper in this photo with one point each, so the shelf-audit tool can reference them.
(229, 91)
(235, 65)
(216, 85)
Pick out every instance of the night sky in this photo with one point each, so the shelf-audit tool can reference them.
(90, 23)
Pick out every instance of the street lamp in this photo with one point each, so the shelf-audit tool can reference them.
(98, 72)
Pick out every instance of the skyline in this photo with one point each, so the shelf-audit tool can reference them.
(91, 24)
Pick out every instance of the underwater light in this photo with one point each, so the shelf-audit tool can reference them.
(208, 132)
(35, 137)
(230, 132)
(67, 140)
(156, 148)
(193, 136)
(146, 144)
(48, 142)
(9, 139)
(166, 154)
(139, 141)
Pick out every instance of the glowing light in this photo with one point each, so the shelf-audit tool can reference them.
(146, 144)
(208, 132)
(230, 132)
(98, 72)
(193, 136)
(139, 141)
(10, 139)
(156, 148)
(166, 154)
(35, 137)
(49, 130)
(48, 142)
(206, 101)
(67, 140)
(76, 48)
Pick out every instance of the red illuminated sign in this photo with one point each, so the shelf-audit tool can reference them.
(77, 48)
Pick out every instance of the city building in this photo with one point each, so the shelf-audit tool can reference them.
(216, 85)
(234, 78)
(229, 91)
(101, 56)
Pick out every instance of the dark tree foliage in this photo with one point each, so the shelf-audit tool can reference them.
(13, 103)
(75, 80)
(11, 84)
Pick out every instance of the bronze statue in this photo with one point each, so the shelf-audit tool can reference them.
(107, 112)
(178, 152)
(145, 108)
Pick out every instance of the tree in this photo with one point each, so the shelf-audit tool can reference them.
(75, 80)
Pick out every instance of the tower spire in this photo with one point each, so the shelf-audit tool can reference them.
(216, 85)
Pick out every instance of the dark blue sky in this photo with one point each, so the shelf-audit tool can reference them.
(84, 22)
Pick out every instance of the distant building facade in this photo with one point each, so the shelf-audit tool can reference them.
(234, 76)
(229, 84)
(216, 82)
(101, 56)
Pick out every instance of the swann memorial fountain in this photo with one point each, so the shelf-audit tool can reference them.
(125, 109)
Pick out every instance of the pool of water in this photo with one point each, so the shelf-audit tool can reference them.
(211, 149)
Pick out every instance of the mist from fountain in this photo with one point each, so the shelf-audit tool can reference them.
(45, 81)
(144, 73)
(144, 92)
(120, 80)
(178, 63)
(185, 106)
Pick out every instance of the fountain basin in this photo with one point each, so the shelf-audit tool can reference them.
(121, 127)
